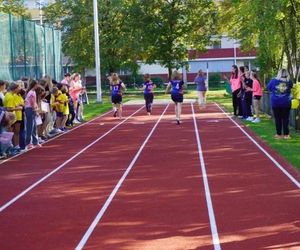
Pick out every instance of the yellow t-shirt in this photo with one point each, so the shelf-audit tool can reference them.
(63, 102)
(19, 102)
(9, 101)
(66, 106)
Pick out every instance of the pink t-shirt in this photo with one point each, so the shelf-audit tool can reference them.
(235, 83)
(30, 100)
(257, 90)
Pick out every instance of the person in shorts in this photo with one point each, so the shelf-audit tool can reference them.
(176, 85)
(117, 87)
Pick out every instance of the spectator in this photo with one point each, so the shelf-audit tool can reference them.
(201, 82)
(14, 103)
(280, 88)
(2, 92)
(236, 90)
(31, 111)
(247, 97)
(257, 94)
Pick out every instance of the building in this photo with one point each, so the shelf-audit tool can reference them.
(219, 58)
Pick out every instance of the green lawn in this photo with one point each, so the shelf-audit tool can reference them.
(289, 149)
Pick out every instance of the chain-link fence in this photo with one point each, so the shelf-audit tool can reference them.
(28, 49)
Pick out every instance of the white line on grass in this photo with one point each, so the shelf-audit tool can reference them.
(63, 164)
(57, 136)
(212, 220)
(277, 164)
(115, 190)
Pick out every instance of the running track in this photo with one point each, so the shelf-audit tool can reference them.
(147, 183)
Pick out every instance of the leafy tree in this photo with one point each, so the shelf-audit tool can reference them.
(132, 30)
(15, 7)
(168, 28)
(271, 26)
(75, 17)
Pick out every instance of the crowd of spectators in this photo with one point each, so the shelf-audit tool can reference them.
(32, 111)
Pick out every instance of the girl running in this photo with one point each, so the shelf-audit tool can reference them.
(148, 92)
(176, 86)
(117, 88)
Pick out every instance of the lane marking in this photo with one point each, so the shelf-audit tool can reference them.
(100, 214)
(59, 135)
(277, 164)
(212, 220)
(3, 207)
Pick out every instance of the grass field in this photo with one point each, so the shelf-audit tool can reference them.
(289, 149)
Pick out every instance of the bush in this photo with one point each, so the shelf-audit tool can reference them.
(158, 81)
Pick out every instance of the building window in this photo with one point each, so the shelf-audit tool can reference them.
(216, 44)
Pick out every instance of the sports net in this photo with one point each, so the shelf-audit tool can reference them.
(28, 49)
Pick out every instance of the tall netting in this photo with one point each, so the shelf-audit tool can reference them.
(5, 48)
(28, 49)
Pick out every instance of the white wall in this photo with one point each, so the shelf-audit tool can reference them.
(152, 69)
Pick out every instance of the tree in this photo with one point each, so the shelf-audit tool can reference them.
(75, 18)
(132, 30)
(169, 28)
(270, 26)
(14, 7)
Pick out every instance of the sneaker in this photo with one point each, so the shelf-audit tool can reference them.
(41, 140)
(22, 150)
(38, 145)
(178, 122)
(277, 136)
(115, 113)
(287, 137)
(249, 119)
(30, 146)
(256, 120)
(76, 121)
(149, 113)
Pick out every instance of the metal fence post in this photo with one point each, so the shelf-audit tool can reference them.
(54, 54)
(11, 46)
(25, 56)
(35, 54)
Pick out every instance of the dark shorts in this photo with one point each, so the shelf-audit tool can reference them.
(177, 97)
(59, 114)
(257, 97)
(116, 99)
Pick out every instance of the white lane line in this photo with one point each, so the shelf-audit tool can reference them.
(63, 164)
(57, 136)
(277, 164)
(115, 190)
(212, 220)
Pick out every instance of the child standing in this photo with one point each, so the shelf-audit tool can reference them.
(148, 93)
(31, 111)
(117, 88)
(257, 94)
(176, 86)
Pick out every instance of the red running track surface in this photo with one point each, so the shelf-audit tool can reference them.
(161, 204)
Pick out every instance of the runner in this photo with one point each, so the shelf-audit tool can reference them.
(117, 88)
(148, 93)
(176, 86)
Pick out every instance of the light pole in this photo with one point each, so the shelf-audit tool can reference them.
(97, 52)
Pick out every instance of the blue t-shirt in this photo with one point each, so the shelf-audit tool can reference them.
(200, 81)
(280, 93)
(116, 89)
(148, 87)
(177, 86)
